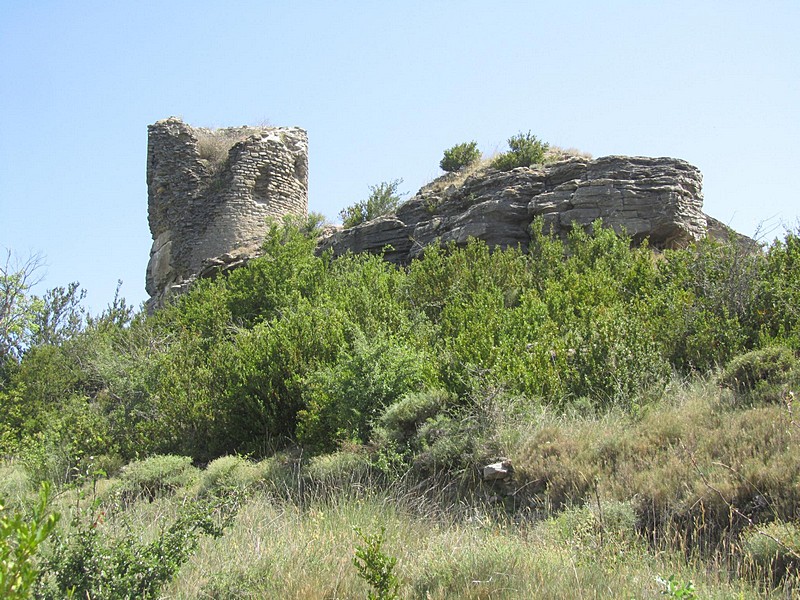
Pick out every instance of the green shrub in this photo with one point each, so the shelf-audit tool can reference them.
(375, 566)
(273, 284)
(525, 150)
(345, 398)
(434, 430)
(261, 378)
(156, 476)
(707, 297)
(460, 156)
(761, 375)
(338, 470)
(280, 472)
(773, 549)
(443, 442)
(310, 225)
(401, 420)
(228, 473)
(20, 538)
(383, 199)
(87, 563)
(778, 307)
(366, 293)
(604, 526)
(675, 588)
(616, 519)
(80, 431)
(76, 437)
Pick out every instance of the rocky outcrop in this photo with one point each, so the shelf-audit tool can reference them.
(655, 198)
(211, 194)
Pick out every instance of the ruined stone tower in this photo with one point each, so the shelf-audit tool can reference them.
(211, 194)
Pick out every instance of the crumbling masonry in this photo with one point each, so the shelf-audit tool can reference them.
(211, 194)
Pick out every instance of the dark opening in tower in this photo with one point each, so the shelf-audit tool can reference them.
(262, 187)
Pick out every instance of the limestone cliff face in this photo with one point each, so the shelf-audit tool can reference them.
(211, 193)
(656, 198)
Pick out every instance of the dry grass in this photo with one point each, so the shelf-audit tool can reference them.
(278, 550)
(604, 507)
(686, 464)
(557, 153)
(213, 145)
(457, 178)
(615, 503)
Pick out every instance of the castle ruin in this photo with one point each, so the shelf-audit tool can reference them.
(211, 194)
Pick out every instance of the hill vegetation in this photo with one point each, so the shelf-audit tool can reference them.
(235, 438)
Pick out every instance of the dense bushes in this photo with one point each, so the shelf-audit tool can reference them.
(358, 371)
(343, 399)
(296, 347)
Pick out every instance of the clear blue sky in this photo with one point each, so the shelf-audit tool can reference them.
(382, 88)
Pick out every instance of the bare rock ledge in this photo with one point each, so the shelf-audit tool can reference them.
(655, 198)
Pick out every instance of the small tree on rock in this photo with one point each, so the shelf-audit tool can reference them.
(460, 156)
(525, 150)
(383, 199)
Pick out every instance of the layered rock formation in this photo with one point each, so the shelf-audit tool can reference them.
(655, 198)
(211, 193)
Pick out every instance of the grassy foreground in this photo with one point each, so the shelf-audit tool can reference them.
(680, 501)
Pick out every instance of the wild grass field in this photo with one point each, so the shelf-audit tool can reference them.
(316, 428)
(694, 496)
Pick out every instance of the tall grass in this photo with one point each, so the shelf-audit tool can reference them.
(603, 506)
(696, 490)
(686, 462)
(277, 549)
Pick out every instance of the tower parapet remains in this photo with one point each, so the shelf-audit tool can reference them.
(211, 194)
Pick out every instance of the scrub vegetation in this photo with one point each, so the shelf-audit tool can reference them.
(310, 427)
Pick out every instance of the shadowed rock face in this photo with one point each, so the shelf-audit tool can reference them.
(211, 194)
(656, 198)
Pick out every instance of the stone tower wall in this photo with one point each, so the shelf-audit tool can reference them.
(211, 194)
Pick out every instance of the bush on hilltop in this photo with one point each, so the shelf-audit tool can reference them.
(460, 156)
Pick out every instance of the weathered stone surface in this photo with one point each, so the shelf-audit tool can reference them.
(386, 234)
(655, 198)
(211, 193)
